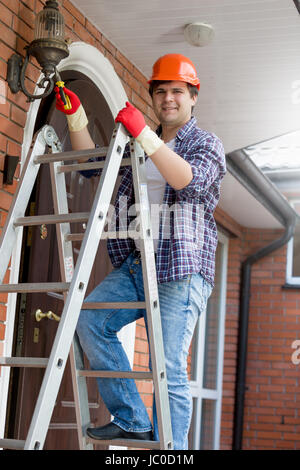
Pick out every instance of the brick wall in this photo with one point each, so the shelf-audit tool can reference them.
(272, 410)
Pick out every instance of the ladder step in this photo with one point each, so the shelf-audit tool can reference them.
(88, 166)
(137, 443)
(116, 305)
(12, 444)
(23, 362)
(36, 287)
(141, 375)
(77, 237)
(52, 219)
(72, 155)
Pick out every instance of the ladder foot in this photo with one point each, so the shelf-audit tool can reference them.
(12, 444)
(136, 443)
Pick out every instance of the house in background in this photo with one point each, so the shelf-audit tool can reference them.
(244, 361)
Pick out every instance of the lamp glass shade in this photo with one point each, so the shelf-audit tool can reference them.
(49, 23)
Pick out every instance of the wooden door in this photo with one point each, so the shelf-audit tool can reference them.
(40, 264)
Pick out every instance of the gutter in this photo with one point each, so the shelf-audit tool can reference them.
(252, 178)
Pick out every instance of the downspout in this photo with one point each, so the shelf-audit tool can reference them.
(261, 187)
(243, 330)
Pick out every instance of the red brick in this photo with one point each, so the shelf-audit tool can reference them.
(10, 129)
(108, 46)
(2, 331)
(132, 82)
(27, 15)
(5, 107)
(23, 30)
(13, 5)
(3, 217)
(19, 99)
(29, 4)
(68, 18)
(3, 69)
(6, 16)
(124, 61)
(139, 103)
(83, 33)
(74, 11)
(8, 36)
(140, 77)
(18, 116)
(11, 188)
(2, 312)
(14, 149)
(5, 201)
(3, 145)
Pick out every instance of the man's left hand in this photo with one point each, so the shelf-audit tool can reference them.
(132, 119)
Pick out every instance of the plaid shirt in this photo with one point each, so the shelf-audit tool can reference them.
(187, 231)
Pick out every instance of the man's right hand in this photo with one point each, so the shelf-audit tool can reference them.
(76, 116)
(74, 100)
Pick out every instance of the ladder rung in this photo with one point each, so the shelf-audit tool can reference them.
(12, 444)
(52, 219)
(113, 374)
(137, 443)
(88, 166)
(72, 155)
(23, 361)
(36, 287)
(77, 237)
(74, 237)
(117, 305)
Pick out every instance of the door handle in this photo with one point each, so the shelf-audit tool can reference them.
(39, 315)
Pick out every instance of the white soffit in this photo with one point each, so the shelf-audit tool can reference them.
(250, 73)
(243, 207)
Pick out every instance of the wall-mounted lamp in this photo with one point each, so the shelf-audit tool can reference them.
(48, 47)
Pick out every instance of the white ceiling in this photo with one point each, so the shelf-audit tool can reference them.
(249, 74)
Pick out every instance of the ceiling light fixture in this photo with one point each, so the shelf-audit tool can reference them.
(48, 47)
(198, 34)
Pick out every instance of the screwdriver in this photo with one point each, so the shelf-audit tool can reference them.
(65, 99)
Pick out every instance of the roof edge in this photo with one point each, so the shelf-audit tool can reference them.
(240, 165)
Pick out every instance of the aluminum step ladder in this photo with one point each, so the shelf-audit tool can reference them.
(75, 281)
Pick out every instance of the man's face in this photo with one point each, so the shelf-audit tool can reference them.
(172, 103)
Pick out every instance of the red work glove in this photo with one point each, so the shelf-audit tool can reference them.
(132, 119)
(75, 101)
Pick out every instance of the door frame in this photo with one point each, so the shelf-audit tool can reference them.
(199, 393)
(88, 60)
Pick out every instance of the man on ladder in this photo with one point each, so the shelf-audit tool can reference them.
(184, 171)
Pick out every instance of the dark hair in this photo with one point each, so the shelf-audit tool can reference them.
(155, 83)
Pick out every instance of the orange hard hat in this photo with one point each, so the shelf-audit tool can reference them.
(175, 67)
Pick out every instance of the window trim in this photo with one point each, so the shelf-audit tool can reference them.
(198, 391)
(290, 279)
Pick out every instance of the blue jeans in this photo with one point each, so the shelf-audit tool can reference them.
(181, 303)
